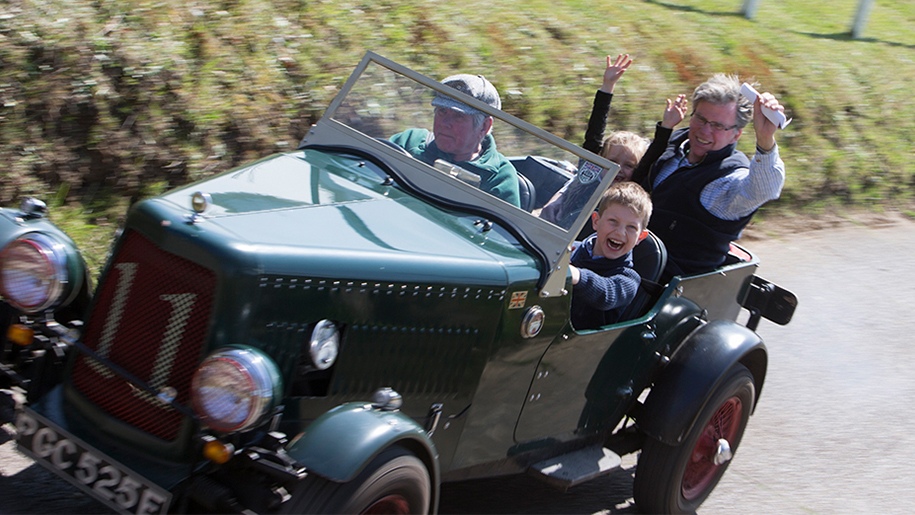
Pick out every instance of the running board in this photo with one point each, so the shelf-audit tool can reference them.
(576, 467)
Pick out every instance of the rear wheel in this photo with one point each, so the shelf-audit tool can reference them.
(677, 479)
(395, 482)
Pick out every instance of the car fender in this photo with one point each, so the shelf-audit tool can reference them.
(342, 441)
(681, 389)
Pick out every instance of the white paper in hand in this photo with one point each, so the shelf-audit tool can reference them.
(776, 117)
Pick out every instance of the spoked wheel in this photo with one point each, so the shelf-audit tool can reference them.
(677, 479)
(713, 448)
(396, 482)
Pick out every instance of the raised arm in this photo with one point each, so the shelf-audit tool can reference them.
(765, 129)
(674, 112)
(615, 70)
(742, 192)
(594, 135)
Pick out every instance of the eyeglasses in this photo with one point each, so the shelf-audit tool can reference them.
(718, 127)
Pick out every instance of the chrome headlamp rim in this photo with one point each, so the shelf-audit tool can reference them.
(243, 375)
(50, 255)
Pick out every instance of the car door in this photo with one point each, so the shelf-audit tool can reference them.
(582, 382)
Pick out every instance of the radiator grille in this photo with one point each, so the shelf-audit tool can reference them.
(151, 318)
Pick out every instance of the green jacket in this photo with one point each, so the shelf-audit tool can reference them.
(497, 175)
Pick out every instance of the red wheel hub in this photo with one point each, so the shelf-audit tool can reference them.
(702, 467)
(389, 504)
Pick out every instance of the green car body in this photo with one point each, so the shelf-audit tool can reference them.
(452, 311)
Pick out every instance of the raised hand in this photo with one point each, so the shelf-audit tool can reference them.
(765, 129)
(675, 111)
(615, 70)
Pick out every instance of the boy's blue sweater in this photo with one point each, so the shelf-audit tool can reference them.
(605, 288)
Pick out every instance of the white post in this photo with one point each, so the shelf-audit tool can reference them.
(864, 9)
(749, 8)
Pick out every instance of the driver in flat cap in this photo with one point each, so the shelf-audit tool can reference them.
(462, 135)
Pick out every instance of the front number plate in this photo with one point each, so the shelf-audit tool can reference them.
(98, 475)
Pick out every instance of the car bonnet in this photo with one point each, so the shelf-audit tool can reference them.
(282, 210)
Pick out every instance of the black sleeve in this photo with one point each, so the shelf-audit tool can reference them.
(594, 135)
(657, 147)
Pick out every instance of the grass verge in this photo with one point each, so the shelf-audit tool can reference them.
(103, 102)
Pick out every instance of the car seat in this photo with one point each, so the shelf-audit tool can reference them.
(528, 193)
(649, 258)
(546, 175)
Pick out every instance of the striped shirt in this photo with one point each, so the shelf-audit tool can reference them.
(742, 191)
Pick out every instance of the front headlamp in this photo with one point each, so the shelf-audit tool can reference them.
(233, 389)
(34, 272)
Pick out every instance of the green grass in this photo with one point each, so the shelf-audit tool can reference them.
(101, 99)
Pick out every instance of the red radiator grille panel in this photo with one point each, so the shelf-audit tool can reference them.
(151, 318)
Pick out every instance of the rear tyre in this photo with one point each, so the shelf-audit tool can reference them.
(677, 479)
(395, 482)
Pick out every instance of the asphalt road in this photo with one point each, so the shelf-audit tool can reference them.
(832, 433)
(833, 430)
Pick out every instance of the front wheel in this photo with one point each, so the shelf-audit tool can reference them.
(677, 479)
(395, 482)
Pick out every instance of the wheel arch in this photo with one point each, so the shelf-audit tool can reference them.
(342, 442)
(680, 391)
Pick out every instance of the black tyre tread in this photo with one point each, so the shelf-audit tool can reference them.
(656, 487)
(318, 495)
(312, 496)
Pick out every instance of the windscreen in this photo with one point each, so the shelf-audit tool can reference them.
(398, 116)
(387, 105)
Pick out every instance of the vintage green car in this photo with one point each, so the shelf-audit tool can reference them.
(342, 328)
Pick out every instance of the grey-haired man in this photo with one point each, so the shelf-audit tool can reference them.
(704, 190)
(462, 135)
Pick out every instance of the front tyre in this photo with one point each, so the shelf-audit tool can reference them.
(677, 479)
(395, 482)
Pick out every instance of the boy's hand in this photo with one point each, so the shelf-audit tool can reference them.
(675, 112)
(614, 71)
(576, 274)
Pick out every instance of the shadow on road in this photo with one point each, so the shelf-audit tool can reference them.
(524, 494)
(27, 487)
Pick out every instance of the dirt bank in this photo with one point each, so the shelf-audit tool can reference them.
(786, 225)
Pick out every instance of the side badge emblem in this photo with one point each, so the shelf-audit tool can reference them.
(519, 298)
